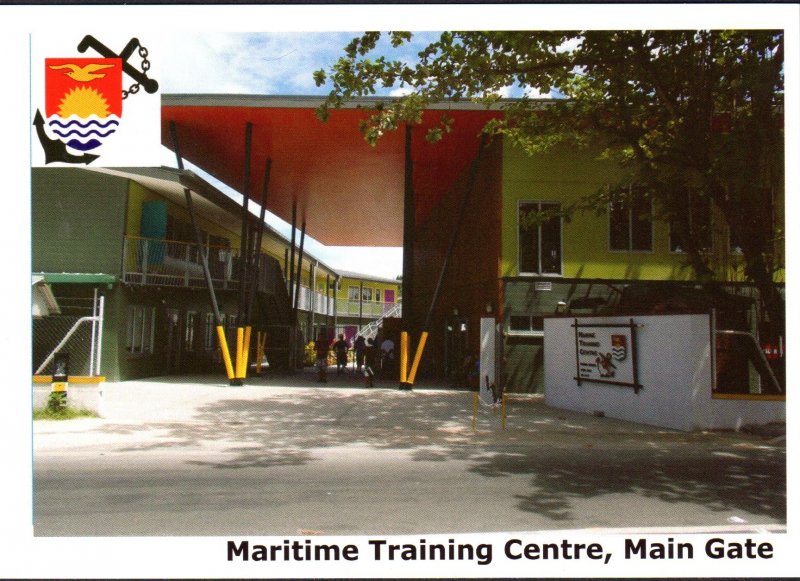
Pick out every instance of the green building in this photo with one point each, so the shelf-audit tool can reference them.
(125, 235)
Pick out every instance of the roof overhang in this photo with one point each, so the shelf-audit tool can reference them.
(348, 192)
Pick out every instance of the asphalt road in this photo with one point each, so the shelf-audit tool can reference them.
(199, 459)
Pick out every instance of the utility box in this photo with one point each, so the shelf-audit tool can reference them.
(61, 375)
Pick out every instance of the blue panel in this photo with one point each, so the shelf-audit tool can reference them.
(154, 226)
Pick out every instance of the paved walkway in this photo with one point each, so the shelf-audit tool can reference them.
(393, 461)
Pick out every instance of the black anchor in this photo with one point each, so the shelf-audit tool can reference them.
(150, 85)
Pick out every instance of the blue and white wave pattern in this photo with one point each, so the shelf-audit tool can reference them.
(82, 133)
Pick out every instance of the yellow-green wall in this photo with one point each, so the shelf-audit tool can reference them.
(347, 282)
(138, 195)
(566, 176)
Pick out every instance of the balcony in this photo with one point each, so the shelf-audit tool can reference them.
(149, 261)
(153, 262)
(366, 309)
(165, 263)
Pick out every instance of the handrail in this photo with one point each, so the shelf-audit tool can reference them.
(63, 342)
(762, 358)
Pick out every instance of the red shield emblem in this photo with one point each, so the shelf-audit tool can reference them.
(619, 347)
(83, 100)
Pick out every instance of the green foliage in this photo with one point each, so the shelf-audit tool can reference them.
(57, 408)
(688, 113)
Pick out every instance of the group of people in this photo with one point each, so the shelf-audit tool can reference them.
(369, 358)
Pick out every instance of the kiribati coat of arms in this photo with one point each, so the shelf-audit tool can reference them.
(83, 100)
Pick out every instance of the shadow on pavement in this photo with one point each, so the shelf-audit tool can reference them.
(567, 456)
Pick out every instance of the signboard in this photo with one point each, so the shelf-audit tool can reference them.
(606, 353)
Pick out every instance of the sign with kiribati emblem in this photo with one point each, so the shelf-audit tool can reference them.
(96, 106)
(606, 353)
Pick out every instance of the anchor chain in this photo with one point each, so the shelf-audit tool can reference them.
(134, 88)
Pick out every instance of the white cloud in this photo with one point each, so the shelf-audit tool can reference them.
(253, 63)
(400, 92)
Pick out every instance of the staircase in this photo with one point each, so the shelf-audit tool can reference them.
(273, 312)
(369, 330)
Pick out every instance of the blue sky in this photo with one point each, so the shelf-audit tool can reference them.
(272, 64)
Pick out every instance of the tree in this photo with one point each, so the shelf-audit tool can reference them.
(694, 116)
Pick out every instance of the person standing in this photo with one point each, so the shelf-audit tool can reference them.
(341, 347)
(359, 346)
(370, 361)
(321, 347)
(387, 357)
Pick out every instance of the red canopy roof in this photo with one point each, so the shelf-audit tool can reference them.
(349, 193)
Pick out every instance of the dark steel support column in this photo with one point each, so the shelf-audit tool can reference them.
(290, 267)
(335, 304)
(360, 302)
(299, 269)
(244, 253)
(327, 301)
(254, 269)
(409, 223)
(290, 290)
(203, 253)
(297, 278)
(313, 292)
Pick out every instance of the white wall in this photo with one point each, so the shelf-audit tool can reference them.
(674, 369)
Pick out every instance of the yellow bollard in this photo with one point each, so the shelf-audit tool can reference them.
(403, 356)
(226, 356)
(246, 350)
(417, 357)
(239, 347)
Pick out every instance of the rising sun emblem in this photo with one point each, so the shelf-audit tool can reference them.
(83, 102)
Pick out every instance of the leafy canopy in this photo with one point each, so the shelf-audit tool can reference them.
(692, 115)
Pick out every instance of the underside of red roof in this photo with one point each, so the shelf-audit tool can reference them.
(348, 192)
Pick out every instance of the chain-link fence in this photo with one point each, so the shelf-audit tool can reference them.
(81, 345)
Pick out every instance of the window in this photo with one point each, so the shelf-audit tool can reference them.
(694, 224)
(352, 293)
(140, 329)
(630, 221)
(539, 238)
(529, 325)
(366, 294)
(210, 332)
(188, 336)
(377, 295)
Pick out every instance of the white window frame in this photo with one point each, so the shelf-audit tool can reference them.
(559, 274)
(141, 327)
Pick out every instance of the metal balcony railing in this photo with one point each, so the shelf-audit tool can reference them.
(322, 305)
(153, 262)
(149, 261)
(366, 309)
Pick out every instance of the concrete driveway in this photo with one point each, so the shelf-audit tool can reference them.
(285, 455)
